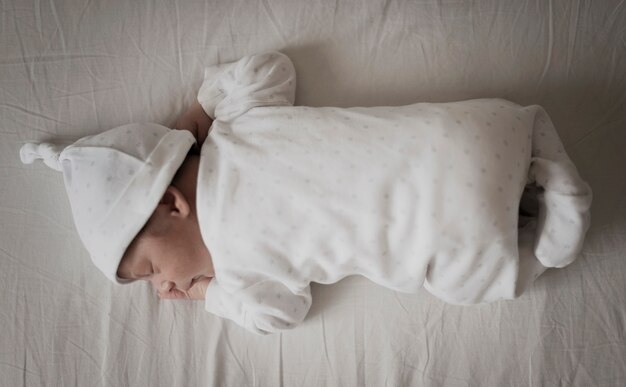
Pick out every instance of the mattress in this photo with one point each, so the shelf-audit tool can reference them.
(78, 67)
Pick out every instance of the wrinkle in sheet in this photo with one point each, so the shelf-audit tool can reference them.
(22, 368)
(53, 57)
(38, 25)
(280, 360)
(59, 28)
(427, 351)
(359, 347)
(179, 43)
(32, 113)
(27, 346)
(252, 370)
(325, 341)
(433, 330)
(29, 69)
(85, 353)
(333, 25)
(572, 34)
(274, 21)
(82, 13)
(406, 312)
(494, 18)
(124, 88)
(548, 60)
(92, 92)
(225, 338)
(383, 18)
(64, 94)
(614, 22)
(143, 340)
(226, 353)
(597, 302)
(603, 124)
(154, 59)
(514, 51)
(579, 372)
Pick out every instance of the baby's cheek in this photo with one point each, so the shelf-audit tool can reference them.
(182, 269)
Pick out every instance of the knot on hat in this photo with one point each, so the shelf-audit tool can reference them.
(47, 152)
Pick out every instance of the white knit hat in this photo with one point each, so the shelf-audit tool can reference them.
(114, 181)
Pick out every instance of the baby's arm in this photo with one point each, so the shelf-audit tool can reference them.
(265, 307)
(196, 121)
(231, 89)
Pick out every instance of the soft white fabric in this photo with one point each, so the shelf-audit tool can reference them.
(114, 181)
(425, 194)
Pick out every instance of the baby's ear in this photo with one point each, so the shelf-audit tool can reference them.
(176, 202)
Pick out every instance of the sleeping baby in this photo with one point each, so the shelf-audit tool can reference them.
(254, 198)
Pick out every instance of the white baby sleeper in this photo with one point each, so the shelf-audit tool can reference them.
(410, 196)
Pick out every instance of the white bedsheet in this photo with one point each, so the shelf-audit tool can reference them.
(78, 67)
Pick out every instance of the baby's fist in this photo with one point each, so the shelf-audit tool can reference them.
(196, 121)
(195, 292)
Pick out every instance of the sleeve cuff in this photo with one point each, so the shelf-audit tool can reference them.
(223, 304)
(210, 93)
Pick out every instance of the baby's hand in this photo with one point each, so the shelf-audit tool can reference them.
(196, 121)
(195, 292)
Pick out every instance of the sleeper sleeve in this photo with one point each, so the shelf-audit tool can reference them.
(229, 90)
(564, 204)
(263, 308)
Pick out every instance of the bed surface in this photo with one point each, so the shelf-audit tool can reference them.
(78, 67)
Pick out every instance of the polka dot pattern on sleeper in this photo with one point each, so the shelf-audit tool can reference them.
(316, 194)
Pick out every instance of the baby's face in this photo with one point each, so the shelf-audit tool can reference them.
(175, 260)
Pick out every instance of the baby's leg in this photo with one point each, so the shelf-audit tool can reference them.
(563, 198)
